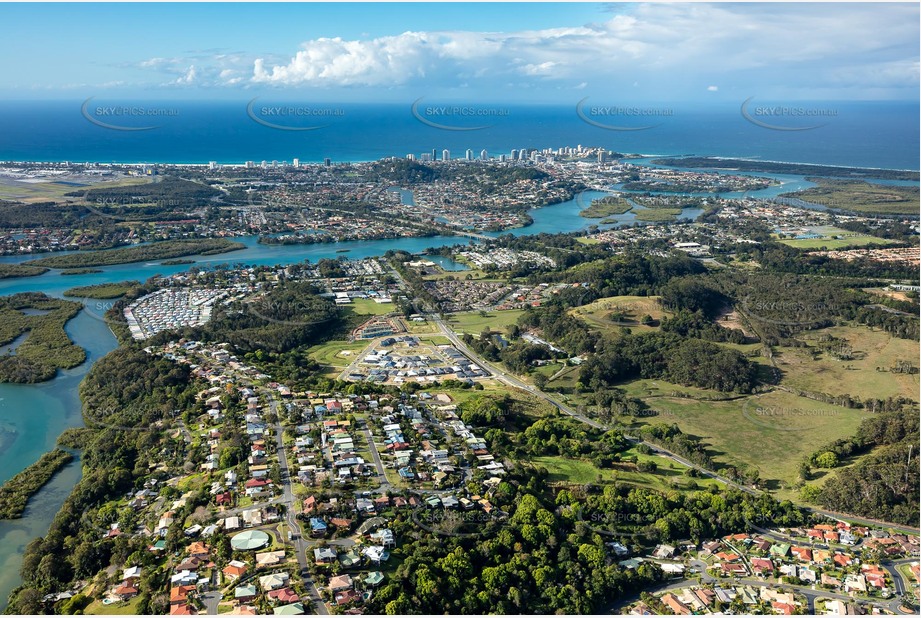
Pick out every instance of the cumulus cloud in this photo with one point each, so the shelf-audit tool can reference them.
(669, 48)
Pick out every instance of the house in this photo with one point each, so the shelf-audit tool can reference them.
(283, 595)
(317, 527)
(190, 564)
(762, 566)
(347, 596)
(273, 581)
(855, 583)
(234, 570)
(663, 551)
(131, 573)
(784, 608)
(734, 568)
(269, 558)
(383, 536)
(340, 582)
(842, 560)
(180, 594)
(673, 603)
(373, 578)
(184, 578)
(182, 609)
(293, 609)
(803, 554)
(672, 568)
(780, 549)
(244, 594)
(126, 591)
(375, 553)
(198, 550)
(324, 555)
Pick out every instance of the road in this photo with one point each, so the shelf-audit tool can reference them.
(287, 498)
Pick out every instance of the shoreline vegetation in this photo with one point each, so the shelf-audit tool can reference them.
(860, 196)
(16, 492)
(129, 255)
(47, 347)
(10, 271)
(777, 167)
(103, 291)
(81, 271)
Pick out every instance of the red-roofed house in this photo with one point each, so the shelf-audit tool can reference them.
(760, 566)
(842, 560)
(784, 608)
(182, 609)
(283, 595)
(675, 604)
(180, 594)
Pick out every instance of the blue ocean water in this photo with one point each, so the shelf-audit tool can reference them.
(865, 134)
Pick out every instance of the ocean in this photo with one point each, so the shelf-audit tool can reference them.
(862, 134)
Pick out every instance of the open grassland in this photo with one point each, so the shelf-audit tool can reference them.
(31, 192)
(860, 196)
(337, 354)
(772, 432)
(609, 314)
(97, 608)
(669, 475)
(367, 306)
(656, 214)
(810, 369)
(474, 323)
(835, 238)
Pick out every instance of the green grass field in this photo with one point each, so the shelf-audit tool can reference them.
(13, 190)
(656, 214)
(366, 306)
(772, 432)
(828, 240)
(474, 323)
(668, 476)
(632, 308)
(860, 196)
(96, 608)
(858, 377)
(337, 354)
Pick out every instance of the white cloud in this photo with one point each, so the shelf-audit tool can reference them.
(669, 48)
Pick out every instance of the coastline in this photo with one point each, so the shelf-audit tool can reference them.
(628, 157)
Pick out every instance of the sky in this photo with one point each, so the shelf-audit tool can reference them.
(516, 52)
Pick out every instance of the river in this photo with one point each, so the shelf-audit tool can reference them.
(33, 416)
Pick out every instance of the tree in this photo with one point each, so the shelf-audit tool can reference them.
(827, 460)
(540, 380)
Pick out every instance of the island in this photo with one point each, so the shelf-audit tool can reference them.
(102, 290)
(10, 271)
(142, 253)
(15, 493)
(606, 206)
(32, 325)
